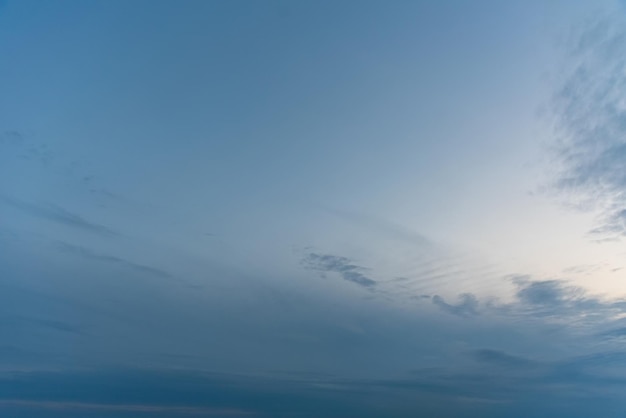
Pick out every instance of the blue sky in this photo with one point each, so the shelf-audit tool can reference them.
(314, 208)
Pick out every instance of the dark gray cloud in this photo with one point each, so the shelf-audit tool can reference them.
(590, 116)
(58, 215)
(558, 298)
(556, 304)
(174, 394)
(508, 379)
(342, 266)
(548, 292)
(467, 305)
(429, 392)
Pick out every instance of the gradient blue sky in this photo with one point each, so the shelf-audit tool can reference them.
(312, 208)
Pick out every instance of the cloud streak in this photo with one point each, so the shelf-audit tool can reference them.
(86, 407)
(499, 358)
(91, 255)
(58, 215)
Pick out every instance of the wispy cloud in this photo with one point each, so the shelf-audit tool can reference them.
(57, 215)
(500, 358)
(34, 156)
(384, 227)
(613, 333)
(91, 255)
(85, 406)
(590, 113)
(557, 304)
(342, 266)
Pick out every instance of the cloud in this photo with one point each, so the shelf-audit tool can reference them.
(16, 146)
(493, 378)
(173, 393)
(91, 255)
(500, 358)
(384, 227)
(58, 215)
(604, 358)
(548, 292)
(340, 265)
(151, 392)
(590, 114)
(86, 407)
(33, 157)
(614, 333)
(509, 379)
(559, 299)
(11, 138)
(467, 306)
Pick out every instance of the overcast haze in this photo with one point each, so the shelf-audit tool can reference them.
(312, 208)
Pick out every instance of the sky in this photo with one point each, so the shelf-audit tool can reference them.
(312, 209)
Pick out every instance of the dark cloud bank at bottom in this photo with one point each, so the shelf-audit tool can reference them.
(528, 389)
